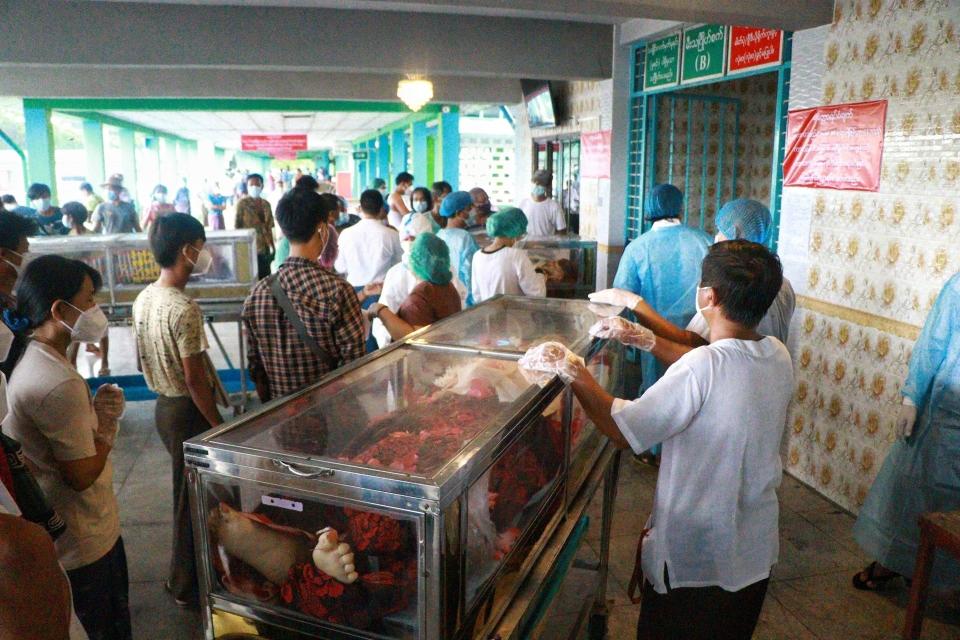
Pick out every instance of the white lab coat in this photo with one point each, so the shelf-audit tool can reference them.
(507, 270)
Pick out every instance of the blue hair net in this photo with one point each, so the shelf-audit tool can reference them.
(663, 201)
(743, 219)
(509, 222)
(430, 259)
(455, 203)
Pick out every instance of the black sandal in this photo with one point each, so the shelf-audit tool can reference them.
(873, 582)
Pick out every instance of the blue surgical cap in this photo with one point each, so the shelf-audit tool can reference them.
(509, 222)
(664, 201)
(455, 203)
(744, 219)
(430, 259)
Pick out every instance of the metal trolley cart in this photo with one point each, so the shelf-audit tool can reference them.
(577, 258)
(447, 473)
(127, 266)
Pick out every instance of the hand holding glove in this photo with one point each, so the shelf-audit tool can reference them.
(616, 297)
(906, 419)
(109, 404)
(541, 363)
(624, 331)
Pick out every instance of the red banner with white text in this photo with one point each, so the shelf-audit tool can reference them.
(835, 147)
(595, 154)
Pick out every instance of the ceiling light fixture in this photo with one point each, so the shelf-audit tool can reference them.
(415, 92)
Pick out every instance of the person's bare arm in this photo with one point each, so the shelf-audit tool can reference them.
(396, 326)
(598, 405)
(663, 328)
(81, 474)
(34, 591)
(195, 375)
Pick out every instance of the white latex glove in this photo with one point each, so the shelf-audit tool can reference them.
(616, 297)
(624, 331)
(541, 363)
(604, 310)
(906, 418)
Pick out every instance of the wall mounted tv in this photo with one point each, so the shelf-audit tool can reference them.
(538, 98)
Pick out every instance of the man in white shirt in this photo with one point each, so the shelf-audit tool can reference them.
(712, 538)
(544, 214)
(369, 248)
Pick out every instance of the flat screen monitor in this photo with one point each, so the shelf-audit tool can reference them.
(538, 98)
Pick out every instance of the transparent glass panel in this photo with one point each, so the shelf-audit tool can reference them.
(410, 410)
(291, 551)
(134, 264)
(506, 500)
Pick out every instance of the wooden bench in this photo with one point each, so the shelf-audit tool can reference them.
(936, 530)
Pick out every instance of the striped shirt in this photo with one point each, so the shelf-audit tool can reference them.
(329, 309)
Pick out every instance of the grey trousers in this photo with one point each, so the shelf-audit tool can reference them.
(178, 419)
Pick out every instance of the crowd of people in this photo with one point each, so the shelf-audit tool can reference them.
(709, 319)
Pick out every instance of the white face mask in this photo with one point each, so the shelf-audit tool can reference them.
(160, 197)
(254, 191)
(203, 262)
(41, 204)
(91, 326)
(25, 259)
(696, 300)
(420, 206)
(6, 341)
(10, 206)
(65, 221)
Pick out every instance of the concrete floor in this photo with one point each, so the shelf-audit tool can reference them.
(809, 597)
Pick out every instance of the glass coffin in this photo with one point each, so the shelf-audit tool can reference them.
(437, 469)
(576, 258)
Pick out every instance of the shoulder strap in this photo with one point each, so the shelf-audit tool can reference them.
(281, 297)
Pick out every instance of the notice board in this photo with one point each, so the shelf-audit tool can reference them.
(595, 154)
(835, 147)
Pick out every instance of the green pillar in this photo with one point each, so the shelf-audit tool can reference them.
(128, 160)
(168, 164)
(419, 152)
(41, 160)
(449, 134)
(93, 148)
(398, 152)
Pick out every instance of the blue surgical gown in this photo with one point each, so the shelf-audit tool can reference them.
(663, 266)
(921, 473)
(462, 247)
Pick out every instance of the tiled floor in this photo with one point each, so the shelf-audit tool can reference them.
(810, 596)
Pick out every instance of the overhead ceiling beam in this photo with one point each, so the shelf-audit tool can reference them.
(241, 38)
(782, 14)
(50, 81)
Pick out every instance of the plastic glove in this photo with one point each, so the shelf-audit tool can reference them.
(604, 310)
(616, 297)
(906, 419)
(109, 405)
(541, 363)
(624, 331)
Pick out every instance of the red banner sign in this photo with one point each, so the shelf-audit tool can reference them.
(283, 145)
(835, 147)
(595, 154)
(754, 48)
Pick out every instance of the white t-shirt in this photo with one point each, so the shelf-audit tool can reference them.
(507, 270)
(543, 218)
(720, 412)
(9, 507)
(397, 285)
(367, 250)
(775, 323)
(52, 416)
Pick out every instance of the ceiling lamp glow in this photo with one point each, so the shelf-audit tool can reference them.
(415, 93)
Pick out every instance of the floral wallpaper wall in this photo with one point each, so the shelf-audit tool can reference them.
(875, 262)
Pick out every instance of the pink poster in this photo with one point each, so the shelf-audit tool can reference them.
(835, 147)
(595, 154)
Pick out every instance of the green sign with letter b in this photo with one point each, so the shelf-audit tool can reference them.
(704, 51)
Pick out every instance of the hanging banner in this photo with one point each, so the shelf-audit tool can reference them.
(835, 147)
(661, 63)
(754, 48)
(280, 145)
(704, 50)
(595, 154)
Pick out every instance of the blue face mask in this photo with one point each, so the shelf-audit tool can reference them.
(344, 218)
(539, 191)
(112, 196)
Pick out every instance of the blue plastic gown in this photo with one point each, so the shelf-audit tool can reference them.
(922, 473)
(663, 266)
(462, 247)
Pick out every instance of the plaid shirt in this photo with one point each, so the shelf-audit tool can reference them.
(329, 309)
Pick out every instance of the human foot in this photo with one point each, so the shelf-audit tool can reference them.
(333, 557)
(874, 578)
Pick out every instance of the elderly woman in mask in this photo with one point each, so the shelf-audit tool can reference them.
(433, 298)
